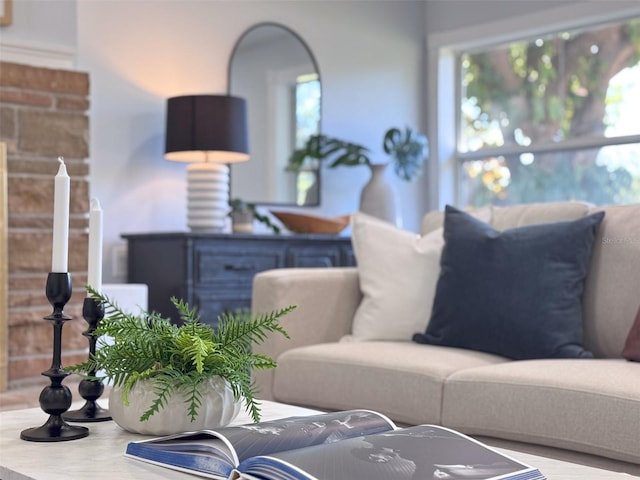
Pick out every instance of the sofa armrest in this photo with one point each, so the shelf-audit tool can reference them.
(326, 300)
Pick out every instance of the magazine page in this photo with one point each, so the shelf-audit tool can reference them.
(420, 452)
(298, 432)
(216, 452)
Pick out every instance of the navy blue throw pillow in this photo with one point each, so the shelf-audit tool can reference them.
(516, 293)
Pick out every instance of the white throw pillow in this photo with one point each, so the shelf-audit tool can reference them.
(398, 272)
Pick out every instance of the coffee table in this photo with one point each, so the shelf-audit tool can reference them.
(100, 455)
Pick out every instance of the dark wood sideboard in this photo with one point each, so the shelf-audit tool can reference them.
(215, 271)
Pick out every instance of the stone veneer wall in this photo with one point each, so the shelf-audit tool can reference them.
(43, 115)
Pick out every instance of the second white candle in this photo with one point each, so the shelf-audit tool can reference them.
(94, 278)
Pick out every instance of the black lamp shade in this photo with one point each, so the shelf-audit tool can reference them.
(206, 128)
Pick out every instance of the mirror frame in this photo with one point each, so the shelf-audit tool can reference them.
(317, 69)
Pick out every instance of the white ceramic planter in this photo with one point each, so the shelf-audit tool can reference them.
(219, 407)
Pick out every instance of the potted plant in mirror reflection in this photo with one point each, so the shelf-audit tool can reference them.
(168, 378)
(244, 213)
(407, 149)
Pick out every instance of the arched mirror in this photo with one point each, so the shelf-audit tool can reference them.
(272, 68)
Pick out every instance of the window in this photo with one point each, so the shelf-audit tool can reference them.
(307, 123)
(553, 117)
(307, 93)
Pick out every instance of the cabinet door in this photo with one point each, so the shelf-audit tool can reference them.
(223, 274)
(314, 256)
(348, 257)
(233, 265)
(160, 263)
(213, 303)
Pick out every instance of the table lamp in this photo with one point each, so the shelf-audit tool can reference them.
(209, 132)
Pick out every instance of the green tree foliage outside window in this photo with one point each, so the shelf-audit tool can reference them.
(538, 94)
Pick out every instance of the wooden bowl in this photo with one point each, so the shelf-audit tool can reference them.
(299, 223)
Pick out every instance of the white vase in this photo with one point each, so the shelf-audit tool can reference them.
(219, 407)
(378, 196)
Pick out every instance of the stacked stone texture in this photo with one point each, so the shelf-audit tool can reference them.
(43, 115)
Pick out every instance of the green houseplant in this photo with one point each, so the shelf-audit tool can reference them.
(244, 212)
(179, 359)
(407, 149)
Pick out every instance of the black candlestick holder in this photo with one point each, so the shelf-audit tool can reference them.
(90, 390)
(55, 399)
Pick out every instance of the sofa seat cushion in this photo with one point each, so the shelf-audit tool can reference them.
(591, 406)
(400, 379)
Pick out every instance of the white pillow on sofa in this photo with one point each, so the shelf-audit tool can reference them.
(398, 272)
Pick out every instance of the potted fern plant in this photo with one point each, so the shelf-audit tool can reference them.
(169, 378)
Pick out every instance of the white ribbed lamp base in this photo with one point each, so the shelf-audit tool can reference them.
(207, 196)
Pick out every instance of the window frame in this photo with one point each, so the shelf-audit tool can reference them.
(443, 118)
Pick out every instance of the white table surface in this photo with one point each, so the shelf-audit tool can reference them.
(100, 455)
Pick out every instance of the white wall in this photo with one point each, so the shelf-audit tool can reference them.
(42, 33)
(47, 24)
(141, 52)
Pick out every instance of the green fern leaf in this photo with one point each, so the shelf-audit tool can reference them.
(178, 358)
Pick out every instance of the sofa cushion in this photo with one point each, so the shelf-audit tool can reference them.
(591, 406)
(398, 271)
(400, 379)
(611, 289)
(513, 216)
(434, 220)
(516, 293)
(631, 349)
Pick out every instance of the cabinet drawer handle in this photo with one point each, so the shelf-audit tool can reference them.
(240, 267)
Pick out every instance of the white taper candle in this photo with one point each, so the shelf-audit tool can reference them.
(60, 249)
(94, 278)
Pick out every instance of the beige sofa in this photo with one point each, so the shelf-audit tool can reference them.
(584, 410)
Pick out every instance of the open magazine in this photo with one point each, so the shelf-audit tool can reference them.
(353, 445)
